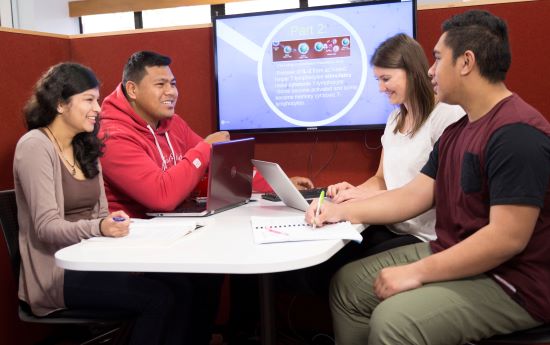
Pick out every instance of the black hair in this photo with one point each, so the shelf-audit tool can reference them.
(403, 52)
(56, 86)
(486, 35)
(134, 70)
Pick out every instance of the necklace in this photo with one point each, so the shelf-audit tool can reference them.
(73, 166)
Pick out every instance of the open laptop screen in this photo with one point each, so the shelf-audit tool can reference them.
(229, 180)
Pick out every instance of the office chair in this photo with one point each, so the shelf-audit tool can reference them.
(110, 321)
(534, 336)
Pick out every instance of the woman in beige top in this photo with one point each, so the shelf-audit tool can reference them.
(61, 201)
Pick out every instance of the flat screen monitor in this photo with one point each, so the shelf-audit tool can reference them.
(305, 69)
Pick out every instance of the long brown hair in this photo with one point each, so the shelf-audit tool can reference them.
(56, 85)
(403, 52)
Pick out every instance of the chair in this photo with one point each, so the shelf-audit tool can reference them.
(103, 319)
(534, 336)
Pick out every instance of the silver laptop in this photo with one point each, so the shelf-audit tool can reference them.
(281, 184)
(229, 181)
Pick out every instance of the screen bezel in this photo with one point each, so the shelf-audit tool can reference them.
(296, 10)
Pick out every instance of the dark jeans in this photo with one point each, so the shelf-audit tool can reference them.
(244, 312)
(170, 308)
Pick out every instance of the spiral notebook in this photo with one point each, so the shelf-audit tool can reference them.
(290, 229)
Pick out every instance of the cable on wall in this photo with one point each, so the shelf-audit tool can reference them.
(312, 176)
(366, 144)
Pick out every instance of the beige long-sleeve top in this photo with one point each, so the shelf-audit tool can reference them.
(42, 227)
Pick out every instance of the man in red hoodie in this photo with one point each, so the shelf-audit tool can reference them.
(152, 159)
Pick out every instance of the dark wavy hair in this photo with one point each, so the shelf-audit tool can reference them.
(486, 35)
(56, 86)
(403, 52)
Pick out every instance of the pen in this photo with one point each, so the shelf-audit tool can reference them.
(319, 203)
(118, 219)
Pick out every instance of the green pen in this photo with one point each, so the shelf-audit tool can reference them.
(319, 203)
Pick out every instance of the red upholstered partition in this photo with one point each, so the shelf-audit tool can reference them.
(529, 32)
(23, 58)
(191, 52)
(328, 157)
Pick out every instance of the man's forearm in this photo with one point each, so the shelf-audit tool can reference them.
(393, 206)
(486, 249)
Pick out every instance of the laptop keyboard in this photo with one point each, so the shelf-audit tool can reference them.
(191, 206)
(306, 193)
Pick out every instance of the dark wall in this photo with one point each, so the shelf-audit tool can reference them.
(327, 157)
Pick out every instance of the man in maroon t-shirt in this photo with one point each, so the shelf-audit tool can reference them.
(488, 272)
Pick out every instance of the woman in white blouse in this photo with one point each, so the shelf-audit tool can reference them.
(401, 68)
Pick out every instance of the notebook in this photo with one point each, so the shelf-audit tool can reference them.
(229, 181)
(150, 233)
(281, 184)
(294, 228)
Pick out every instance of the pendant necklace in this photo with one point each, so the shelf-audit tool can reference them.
(73, 168)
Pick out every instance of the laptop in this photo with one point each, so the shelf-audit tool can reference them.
(281, 184)
(229, 181)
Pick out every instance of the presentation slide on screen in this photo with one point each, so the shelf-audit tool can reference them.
(304, 69)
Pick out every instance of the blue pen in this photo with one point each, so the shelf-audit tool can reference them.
(118, 219)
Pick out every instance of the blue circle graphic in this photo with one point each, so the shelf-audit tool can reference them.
(303, 48)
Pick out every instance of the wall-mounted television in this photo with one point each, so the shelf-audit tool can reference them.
(305, 69)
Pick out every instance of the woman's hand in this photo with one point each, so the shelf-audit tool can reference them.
(355, 193)
(115, 225)
(345, 191)
(334, 189)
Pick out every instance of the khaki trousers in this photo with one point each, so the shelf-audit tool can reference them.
(452, 312)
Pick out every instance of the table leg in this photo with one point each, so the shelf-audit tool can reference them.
(267, 311)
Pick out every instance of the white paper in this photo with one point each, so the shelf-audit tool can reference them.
(287, 229)
(150, 232)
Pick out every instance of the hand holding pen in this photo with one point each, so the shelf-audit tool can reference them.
(321, 211)
(115, 225)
